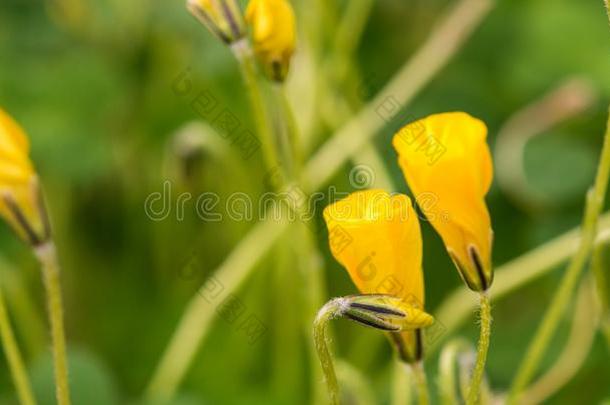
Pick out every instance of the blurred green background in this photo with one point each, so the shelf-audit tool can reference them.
(91, 81)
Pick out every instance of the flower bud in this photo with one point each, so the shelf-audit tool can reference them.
(273, 35)
(222, 17)
(20, 201)
(384, 312)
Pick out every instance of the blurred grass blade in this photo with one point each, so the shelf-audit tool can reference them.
(584, 325)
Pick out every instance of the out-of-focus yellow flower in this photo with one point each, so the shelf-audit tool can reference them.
(273, 35)
(20, 203)
(222, 17)
(446, 161)
(377, 238)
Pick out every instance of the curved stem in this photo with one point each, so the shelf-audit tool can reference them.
(421, 383)
(328, 312)
(51, 276)
(13, 357)
(595, 202)
(482, 348)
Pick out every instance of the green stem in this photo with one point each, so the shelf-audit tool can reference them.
(482, 348)
(601, 283)
(51, 276)
(243, 53)
(576, 349)
(14, 359)
(595, 202)
(421, 383)
(329, 311)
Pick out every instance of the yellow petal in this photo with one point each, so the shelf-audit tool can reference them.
(19, 199)
(273, 34)
(447, 163)
(377, 238)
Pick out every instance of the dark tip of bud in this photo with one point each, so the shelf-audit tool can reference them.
(21, 220)
(371, 321)
(378, 309)
(476, 260)
(463, 272)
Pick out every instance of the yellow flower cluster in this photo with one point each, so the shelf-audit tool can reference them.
(377, 237)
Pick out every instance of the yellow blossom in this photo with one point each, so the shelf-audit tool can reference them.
(273, 35)
(447, 163)
(377, 238)
(222, 17)
(20, 203)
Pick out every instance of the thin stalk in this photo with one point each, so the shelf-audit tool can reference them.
(421, 383)
(601, 283)
(327, 313)
(51, 275)
(482, 348)
(13, 357)
(595, 202)
(580, 341)
(243, 53)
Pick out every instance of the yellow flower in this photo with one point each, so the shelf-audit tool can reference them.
(377, 238)
(20, 203)
(273, 35)
(222, 17)
(446, 161)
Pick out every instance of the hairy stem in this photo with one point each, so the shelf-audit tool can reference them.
(482, 348)
(328, 312)
(51, 276)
